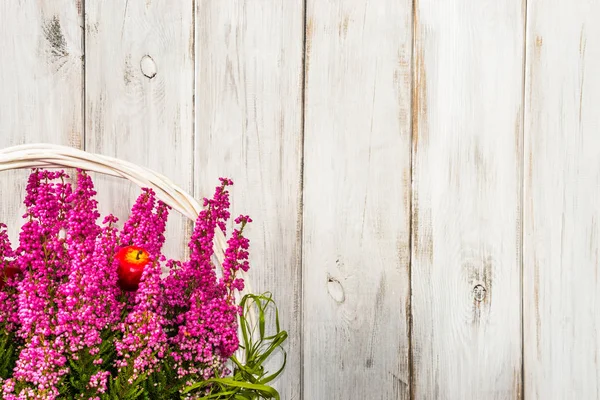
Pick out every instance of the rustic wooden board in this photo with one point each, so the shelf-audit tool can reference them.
(249, 128)
(222, 94)
(139, 97)
(357, 200)
(40, 86)
(562, 201)
(467, 158)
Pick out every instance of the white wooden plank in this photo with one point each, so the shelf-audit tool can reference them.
(249, 128)
(40, 86)
(467, 158)
(139, 97)
(357, 200)
(562, 201)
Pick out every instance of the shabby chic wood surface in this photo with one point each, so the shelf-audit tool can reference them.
(466, 199)
(424, 175)
(562, 201)
(356, 200)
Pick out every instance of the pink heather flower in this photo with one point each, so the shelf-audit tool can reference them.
(76, 311)
(68, 295)
(145, 227)
(98, 382)
(46, 200)
(49, 366)
(106, 291)
(198, 271)
(144, 341)
(41, 253)
(89, 298)
(236, 257)
(41, 256)
(207, 334)
(6, 250)
(8, 293)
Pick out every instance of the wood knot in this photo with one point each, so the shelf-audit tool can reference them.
(479, 292)
(335, 289)
(148, 67)
(539, 41)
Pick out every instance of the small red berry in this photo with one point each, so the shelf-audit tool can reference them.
(10, 271)
(132, 260)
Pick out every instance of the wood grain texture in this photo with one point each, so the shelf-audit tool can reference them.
(562, 201)
(357, 200)
(139, 97)
(249, 128)
(467, 157)
(198, 89)
(40, 86)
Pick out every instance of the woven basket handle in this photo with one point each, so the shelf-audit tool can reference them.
(44, 155)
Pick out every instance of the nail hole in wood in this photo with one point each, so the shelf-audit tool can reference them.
(148, 67)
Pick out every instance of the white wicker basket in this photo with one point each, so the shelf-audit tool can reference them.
(44, 155)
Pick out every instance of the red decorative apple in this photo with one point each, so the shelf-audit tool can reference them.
(10, 271)
(132, 260)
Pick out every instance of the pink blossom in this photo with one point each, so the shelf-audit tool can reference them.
(144, 341)
(66, 299)
(207, 333)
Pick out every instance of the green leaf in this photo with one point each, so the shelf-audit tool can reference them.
(230, 382)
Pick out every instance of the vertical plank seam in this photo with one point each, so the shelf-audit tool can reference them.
(522, 211)
(190, 224)
(83, 78)
(301, 197)
(411, 373)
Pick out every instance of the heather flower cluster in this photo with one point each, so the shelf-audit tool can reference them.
(69, 326)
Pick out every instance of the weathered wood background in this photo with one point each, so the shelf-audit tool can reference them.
(424, 175)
